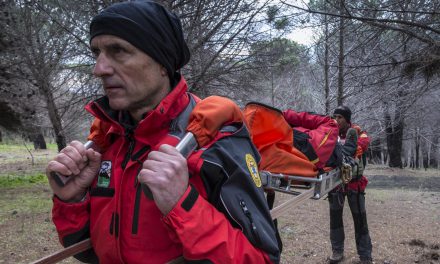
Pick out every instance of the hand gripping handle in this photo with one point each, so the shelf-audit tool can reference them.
(62, 180)
(187, 145)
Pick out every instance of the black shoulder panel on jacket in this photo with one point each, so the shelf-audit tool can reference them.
(231, 178)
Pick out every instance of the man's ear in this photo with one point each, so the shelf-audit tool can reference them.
(163, 71)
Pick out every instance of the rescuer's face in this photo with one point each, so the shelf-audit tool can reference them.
(342, 123)
(131, 79)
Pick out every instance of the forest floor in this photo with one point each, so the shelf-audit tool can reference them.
(403, 213)
(403, 209)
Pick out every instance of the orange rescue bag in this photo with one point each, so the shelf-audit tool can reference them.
(273, 137)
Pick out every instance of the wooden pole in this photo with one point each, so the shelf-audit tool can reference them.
(65, 253)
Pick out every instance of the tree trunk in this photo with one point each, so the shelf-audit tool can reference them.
(425, 156)
(385, 156)
(1, 138)
(433, 158)
(54, 115)
(408, 159)
(326, 69)
(417, 150)
(340, 98)
(394, 134)
(39, 142)
(375, 151)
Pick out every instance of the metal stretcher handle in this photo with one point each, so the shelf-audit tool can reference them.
(62, 180)
(186, 145)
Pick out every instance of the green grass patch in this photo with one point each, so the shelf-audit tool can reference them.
(22, 147)
(14, 181)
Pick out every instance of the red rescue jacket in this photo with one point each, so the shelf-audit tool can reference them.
(223, 216)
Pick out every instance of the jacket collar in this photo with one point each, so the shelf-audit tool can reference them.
(155, 123)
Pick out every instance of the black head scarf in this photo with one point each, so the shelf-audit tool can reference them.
(147, 26)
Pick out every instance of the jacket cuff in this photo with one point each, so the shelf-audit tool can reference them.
(185, 204)
(57, 200)
(72, 212)
(182, 213)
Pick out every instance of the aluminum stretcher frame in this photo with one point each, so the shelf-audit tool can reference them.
(318, 187)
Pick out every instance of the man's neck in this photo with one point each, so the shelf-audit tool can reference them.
(343, 131)
(138, 113)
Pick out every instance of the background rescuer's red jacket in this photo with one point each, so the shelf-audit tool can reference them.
(222, 217)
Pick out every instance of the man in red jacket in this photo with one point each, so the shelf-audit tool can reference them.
(209, 208)
(355, 192)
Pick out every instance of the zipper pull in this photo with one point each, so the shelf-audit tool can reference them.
(129, 137)
(248, 214)
(145, 189)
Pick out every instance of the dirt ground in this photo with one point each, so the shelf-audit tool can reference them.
(403, 209)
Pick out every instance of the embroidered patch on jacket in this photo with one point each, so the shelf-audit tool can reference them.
(104, 174)
(253, 169)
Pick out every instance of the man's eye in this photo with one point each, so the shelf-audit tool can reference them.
(95, 53)
(117, 50)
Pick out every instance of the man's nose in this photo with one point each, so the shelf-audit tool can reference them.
(102, 67)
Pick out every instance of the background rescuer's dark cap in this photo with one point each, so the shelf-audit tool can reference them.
(343, 111)
(147, 26)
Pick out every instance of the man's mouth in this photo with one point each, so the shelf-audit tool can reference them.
(110, 87)
(113, 89)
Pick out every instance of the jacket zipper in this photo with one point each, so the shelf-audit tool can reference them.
(248, 214)
(112, 222)
(138, 187)
(137, 202)
(131, 144)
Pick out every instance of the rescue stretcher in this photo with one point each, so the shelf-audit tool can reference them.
(311, 188)
(300, 187)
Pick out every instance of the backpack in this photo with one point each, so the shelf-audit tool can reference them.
(359, 167)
